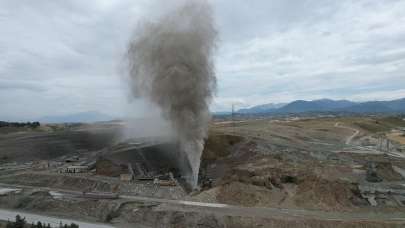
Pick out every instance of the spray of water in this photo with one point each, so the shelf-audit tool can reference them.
(171, 65)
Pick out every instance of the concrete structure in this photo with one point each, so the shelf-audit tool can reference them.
(6, 191)
(72, 159)
(146, 160)
(76, 169)
(165, 182)
(126, 177)
(99, 195)
(41, 165)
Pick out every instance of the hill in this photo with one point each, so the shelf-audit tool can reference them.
(323, 105)
(328, 105)
(262, 108)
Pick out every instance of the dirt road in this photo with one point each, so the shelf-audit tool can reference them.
(362, 149)
(232, 210)
(350, 138)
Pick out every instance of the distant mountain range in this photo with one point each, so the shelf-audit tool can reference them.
(298, 106)
(328, 105)
(262, 108)
(82, 117)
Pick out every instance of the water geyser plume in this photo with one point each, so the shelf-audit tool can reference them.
(171, 65)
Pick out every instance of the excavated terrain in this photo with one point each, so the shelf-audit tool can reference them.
(310, 165)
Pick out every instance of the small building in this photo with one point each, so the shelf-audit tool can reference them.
(41, 165)
(72, 159)
(168, 183)
(77, 169)
(126, 177)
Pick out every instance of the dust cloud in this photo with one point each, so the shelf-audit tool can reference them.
(171, 65)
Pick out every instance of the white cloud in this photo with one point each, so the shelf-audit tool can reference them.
(67, 54)
(355, 50)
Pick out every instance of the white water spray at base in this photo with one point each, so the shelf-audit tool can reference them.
(171, 64)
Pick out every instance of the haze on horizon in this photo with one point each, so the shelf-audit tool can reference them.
(61, 57)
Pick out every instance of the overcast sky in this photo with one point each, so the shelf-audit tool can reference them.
(59, 56)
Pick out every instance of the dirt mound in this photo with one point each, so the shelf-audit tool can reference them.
(106, 167)
(322, 194)
(311, 193)
(387, 173)
(268, 172)
(161, 217)
(272, 182)
(238, 193)
(219, 145)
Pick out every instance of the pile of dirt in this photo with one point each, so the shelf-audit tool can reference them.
(268, 172)
(311, 194)
(272, 182)
(156, 216)
(237, 193)
(106, 167)
(317, 193)
(387, 173)
(219, 145)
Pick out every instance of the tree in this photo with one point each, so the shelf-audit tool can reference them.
(9, 224)
(39, 225)
(19, 222)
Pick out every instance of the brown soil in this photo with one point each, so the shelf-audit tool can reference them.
(219, 145)
(238, 193)
(326, 195)
(387, 173)
(91, 210)
(58, 181)
(151, 216)
(106, 167)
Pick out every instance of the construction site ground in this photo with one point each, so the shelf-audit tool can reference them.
(273, 172)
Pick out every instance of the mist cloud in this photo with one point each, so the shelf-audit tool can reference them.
(171, 65)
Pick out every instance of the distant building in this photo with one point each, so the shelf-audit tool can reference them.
(126, 177)
(72, 159)
(41, 165)
(164, 182)
(76, 169)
